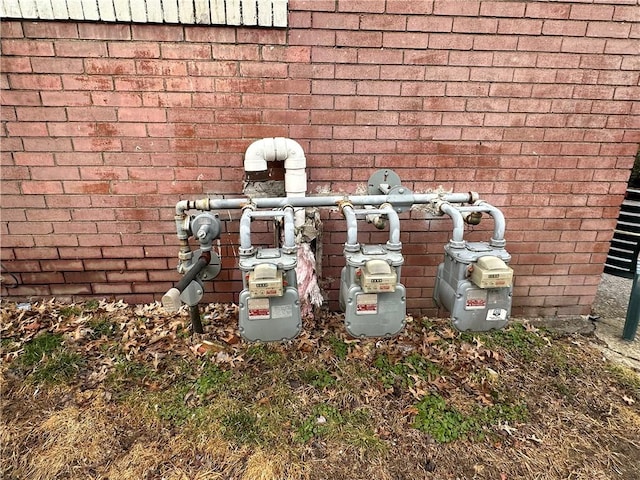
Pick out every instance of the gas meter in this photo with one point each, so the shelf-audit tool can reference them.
(475, 284)
(370, 295)
(269, 302)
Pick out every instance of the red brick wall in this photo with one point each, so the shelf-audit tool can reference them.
(532, 104)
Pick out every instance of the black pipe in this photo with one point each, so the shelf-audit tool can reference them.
(194, 310)
(196, 323)
(193, 272)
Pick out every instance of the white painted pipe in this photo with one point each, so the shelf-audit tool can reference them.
(295, 163)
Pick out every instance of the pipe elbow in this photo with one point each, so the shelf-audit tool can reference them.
(255, 157)
(294, 158)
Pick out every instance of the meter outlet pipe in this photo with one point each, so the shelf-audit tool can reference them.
(351, 214)
(456, 214)
(246, 248)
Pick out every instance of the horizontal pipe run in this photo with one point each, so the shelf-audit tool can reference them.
(321, 201)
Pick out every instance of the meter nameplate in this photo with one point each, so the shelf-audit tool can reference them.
(491, 272)
(377, 276)
(475, 299)
(259, 309)
(496, 315)
(366, 304)
(266, 281)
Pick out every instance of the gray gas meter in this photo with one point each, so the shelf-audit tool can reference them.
(475, 284)
(371, 296)
(269, 302)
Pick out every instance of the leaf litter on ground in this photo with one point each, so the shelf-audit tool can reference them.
(139, 396)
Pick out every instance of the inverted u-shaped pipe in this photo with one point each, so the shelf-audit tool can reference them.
(246, 248)
(499, 224)
(351, 214)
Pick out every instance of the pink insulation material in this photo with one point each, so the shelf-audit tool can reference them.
(310, 294)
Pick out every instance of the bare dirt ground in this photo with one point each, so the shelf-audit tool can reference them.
(103, 390)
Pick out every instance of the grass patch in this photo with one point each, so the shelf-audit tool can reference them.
(100, 327)
(446, 423)
(400, 373)
(339, 347)
(45, 360)
(70, 311)
(626, 378)
(241, 427)
(317, 377)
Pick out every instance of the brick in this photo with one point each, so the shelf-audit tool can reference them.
(313, 5)
(134, 49)
(405, 40)
(383, 22)
(46, 144)
(84, 187)
(476, 25)
(17, 64)
(9, 97)
(359, 39)
(540, 44)
(312, 37)
(623, 47)
(405, 72)
(262, 36)
(55, 173)
(110, 66)
(31, 158)
(40, 114)
(219, 34)
(59, 290)
(104, 31)
(162, 68)
(57, 65)
(608, 30)
(415, 8)
(502, 9)
(591, 12)
(27, 47)
(622, 13)
(375, 87)
(368, 6)
(445, 7)
(583, 45)
(570, 28)
(81, 48)
(12, 29)
(330, 21)
(27, 129)
(186, 51)
(35, 82)
(65, 99)
(451, 41)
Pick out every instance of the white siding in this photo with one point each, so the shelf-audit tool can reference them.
(264, 13)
